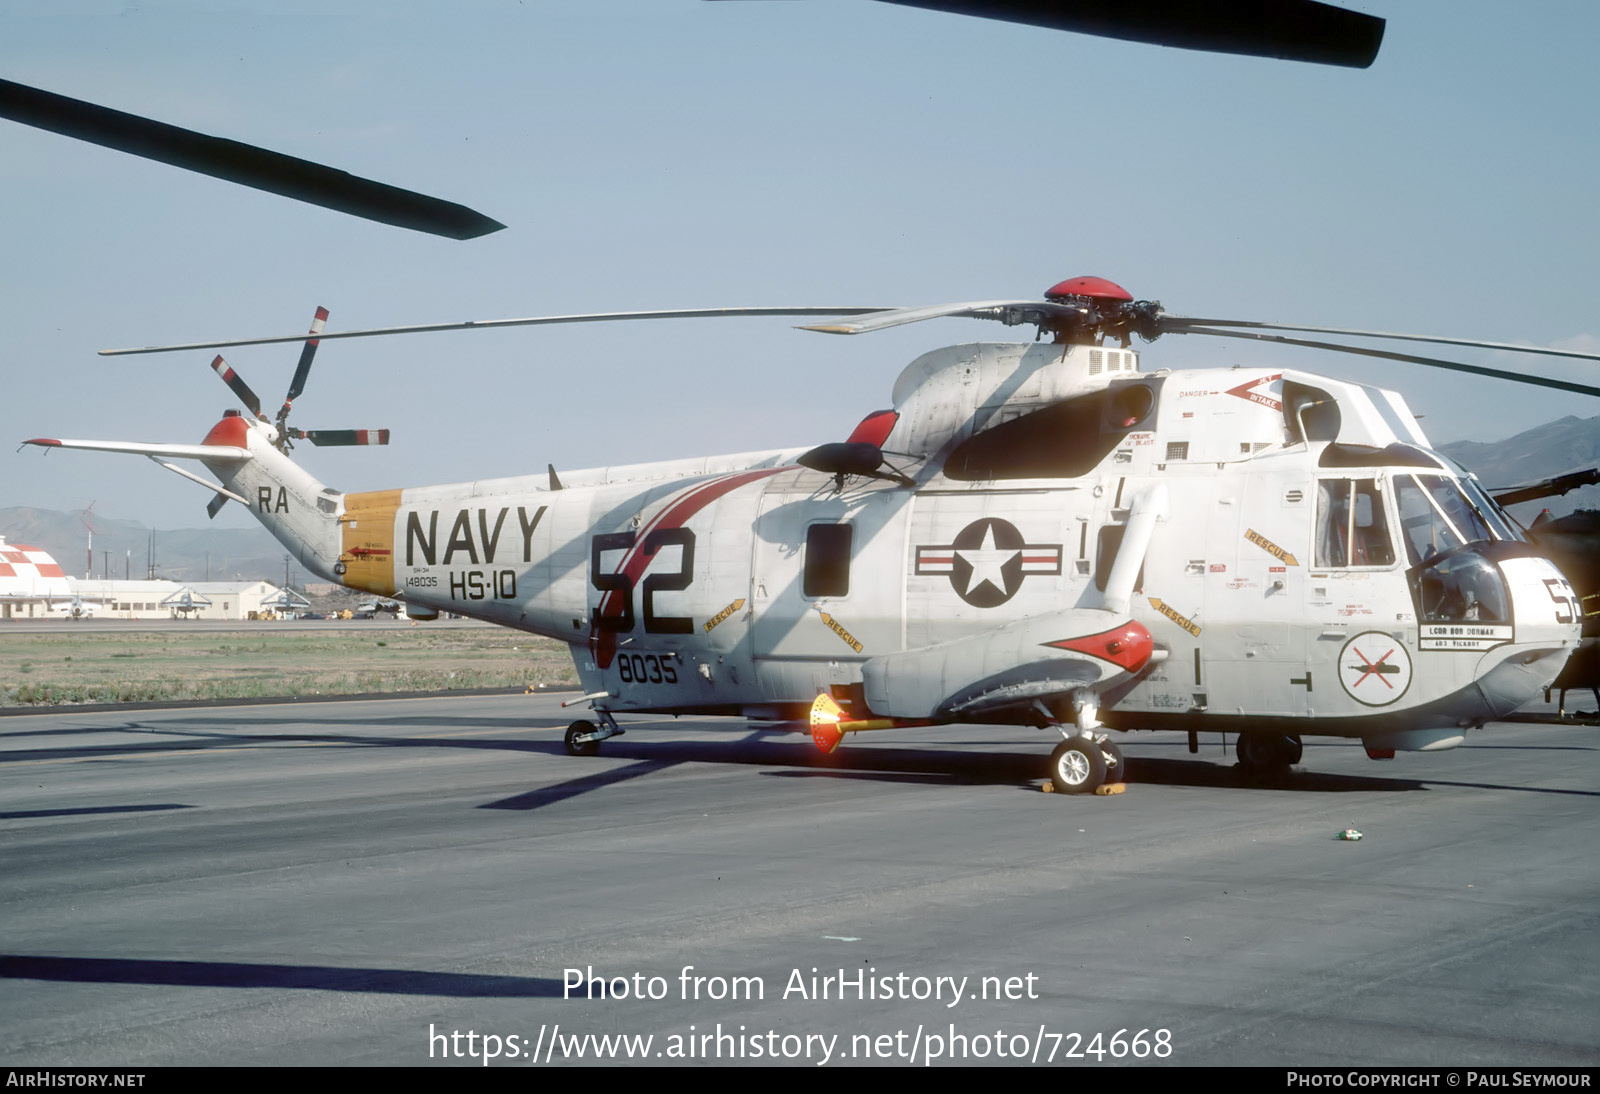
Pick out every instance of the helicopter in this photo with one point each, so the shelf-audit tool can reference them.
(1040, 534)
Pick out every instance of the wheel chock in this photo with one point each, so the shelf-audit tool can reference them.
(1110, 788)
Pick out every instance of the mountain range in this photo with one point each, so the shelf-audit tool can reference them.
(122, 548)
(1570, 444)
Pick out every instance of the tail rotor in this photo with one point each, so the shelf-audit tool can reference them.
(285, 434)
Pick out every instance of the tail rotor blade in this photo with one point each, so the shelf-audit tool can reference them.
(303, 369)
(239, 387)
(341, 437)
(214, 506)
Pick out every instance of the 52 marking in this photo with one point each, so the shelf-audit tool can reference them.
(1566, 600)
(615, 610)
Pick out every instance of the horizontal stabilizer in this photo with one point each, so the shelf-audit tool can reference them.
(138, 448)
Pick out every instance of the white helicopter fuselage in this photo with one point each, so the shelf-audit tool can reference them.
(1300, 559)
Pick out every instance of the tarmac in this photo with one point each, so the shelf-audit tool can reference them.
(416, 881)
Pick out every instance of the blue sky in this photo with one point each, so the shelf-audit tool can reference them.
(676, 153)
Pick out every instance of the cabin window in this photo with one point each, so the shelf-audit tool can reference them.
(827, 570)
(1352, 529)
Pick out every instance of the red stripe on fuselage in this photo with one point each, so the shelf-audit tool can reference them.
(674, 514)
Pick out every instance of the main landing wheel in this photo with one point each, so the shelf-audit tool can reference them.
(576, 747)
(1268, 753)
(1077, 766)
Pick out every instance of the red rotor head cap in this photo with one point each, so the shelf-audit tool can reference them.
(1088, 286)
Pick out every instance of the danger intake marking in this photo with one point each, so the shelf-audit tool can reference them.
(1270, 547)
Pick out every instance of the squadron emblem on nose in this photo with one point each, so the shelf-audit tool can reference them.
(1375, 668)
(987, 561)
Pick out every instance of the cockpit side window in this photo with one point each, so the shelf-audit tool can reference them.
(1352, 528)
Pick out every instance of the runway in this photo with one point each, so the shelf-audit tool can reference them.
(331, 884)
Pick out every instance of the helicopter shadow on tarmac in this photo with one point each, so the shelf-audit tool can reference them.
(237, 974)
(790, 753)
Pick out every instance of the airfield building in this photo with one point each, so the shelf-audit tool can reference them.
(33, 586)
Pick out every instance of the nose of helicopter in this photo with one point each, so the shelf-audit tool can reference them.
(1546, 628)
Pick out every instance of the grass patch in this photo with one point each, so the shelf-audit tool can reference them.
(151, 666)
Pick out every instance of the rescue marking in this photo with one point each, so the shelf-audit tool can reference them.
(1181, 620)
(1270, 547)
(832, 625)
(724, 614)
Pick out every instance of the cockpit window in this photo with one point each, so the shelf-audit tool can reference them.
(1352, 529)
(1438, 514)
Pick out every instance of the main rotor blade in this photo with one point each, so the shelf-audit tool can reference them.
(486, 324)
(240, 388)
(1294, 30)
(1180, 324)
(244, 164)
(1547, 488)
(1432, 362)
(895, 317)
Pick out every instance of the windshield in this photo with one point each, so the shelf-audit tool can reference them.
(1504, 527)
(1439, 514)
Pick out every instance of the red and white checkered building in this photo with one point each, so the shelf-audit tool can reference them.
(30, 581)
(33, 586)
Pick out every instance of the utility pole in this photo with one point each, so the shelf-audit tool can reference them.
(87, 520)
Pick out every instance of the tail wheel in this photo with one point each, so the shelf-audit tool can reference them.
(576, 747)
(1077, 766)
